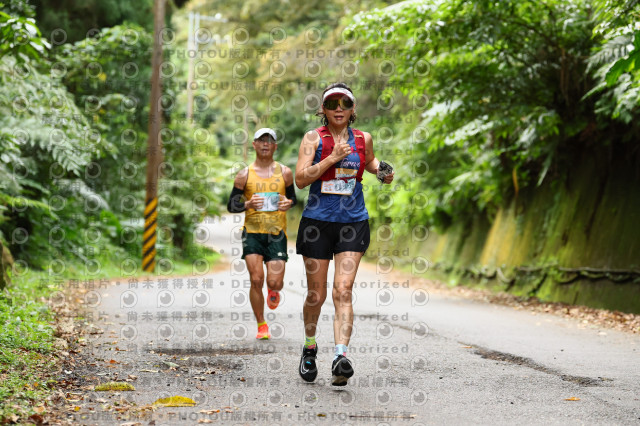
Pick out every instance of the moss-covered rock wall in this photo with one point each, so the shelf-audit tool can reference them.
(574, 240)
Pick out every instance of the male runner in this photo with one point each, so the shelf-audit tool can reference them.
(264, 191)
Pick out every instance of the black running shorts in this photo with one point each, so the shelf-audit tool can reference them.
(319, 239)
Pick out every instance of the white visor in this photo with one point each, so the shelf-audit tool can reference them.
(338, 90)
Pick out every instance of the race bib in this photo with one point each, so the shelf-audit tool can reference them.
(271, 200)
(342, 172)
(338, 186)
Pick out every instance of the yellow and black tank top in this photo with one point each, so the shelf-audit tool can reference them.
(267, 221)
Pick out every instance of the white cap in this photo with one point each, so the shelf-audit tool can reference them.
(264, 130)
(338, 90)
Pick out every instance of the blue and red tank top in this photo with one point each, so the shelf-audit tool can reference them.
(334, 207)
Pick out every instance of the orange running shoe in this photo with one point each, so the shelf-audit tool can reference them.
(263, 332)
(273, 299)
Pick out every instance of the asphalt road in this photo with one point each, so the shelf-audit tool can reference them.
(419, 358)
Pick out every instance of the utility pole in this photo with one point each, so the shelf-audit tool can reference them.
(193, 44)
(191, 47)
(154, 145)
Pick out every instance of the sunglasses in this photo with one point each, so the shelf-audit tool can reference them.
(265, 139)
(332, 104)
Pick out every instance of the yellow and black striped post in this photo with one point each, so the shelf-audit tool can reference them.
(154, 151)
(149, 235)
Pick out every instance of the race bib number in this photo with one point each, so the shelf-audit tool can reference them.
(342, 172)
(271, 200)
(338, 186)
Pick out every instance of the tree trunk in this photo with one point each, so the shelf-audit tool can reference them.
(6, 263)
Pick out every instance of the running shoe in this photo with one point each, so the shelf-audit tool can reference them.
(341, 370)
(308, 370)
(273, 298)
(263, 332)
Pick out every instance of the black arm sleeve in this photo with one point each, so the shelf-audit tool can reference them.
(291, 194)
(235, 204)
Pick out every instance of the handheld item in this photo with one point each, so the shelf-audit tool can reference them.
(384, 169)
(270, 201)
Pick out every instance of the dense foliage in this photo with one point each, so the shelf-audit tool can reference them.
(517, 90)
(74, 20)
(46, 144)
(72, 158)
(472, 101)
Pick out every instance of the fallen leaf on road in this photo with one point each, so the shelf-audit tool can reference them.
(115, 386)
(37, 419)
(146, 370)
(131, 424)
(175, 401)
(467, 347)
(205, 421)
(573, 398)
(209, 411)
